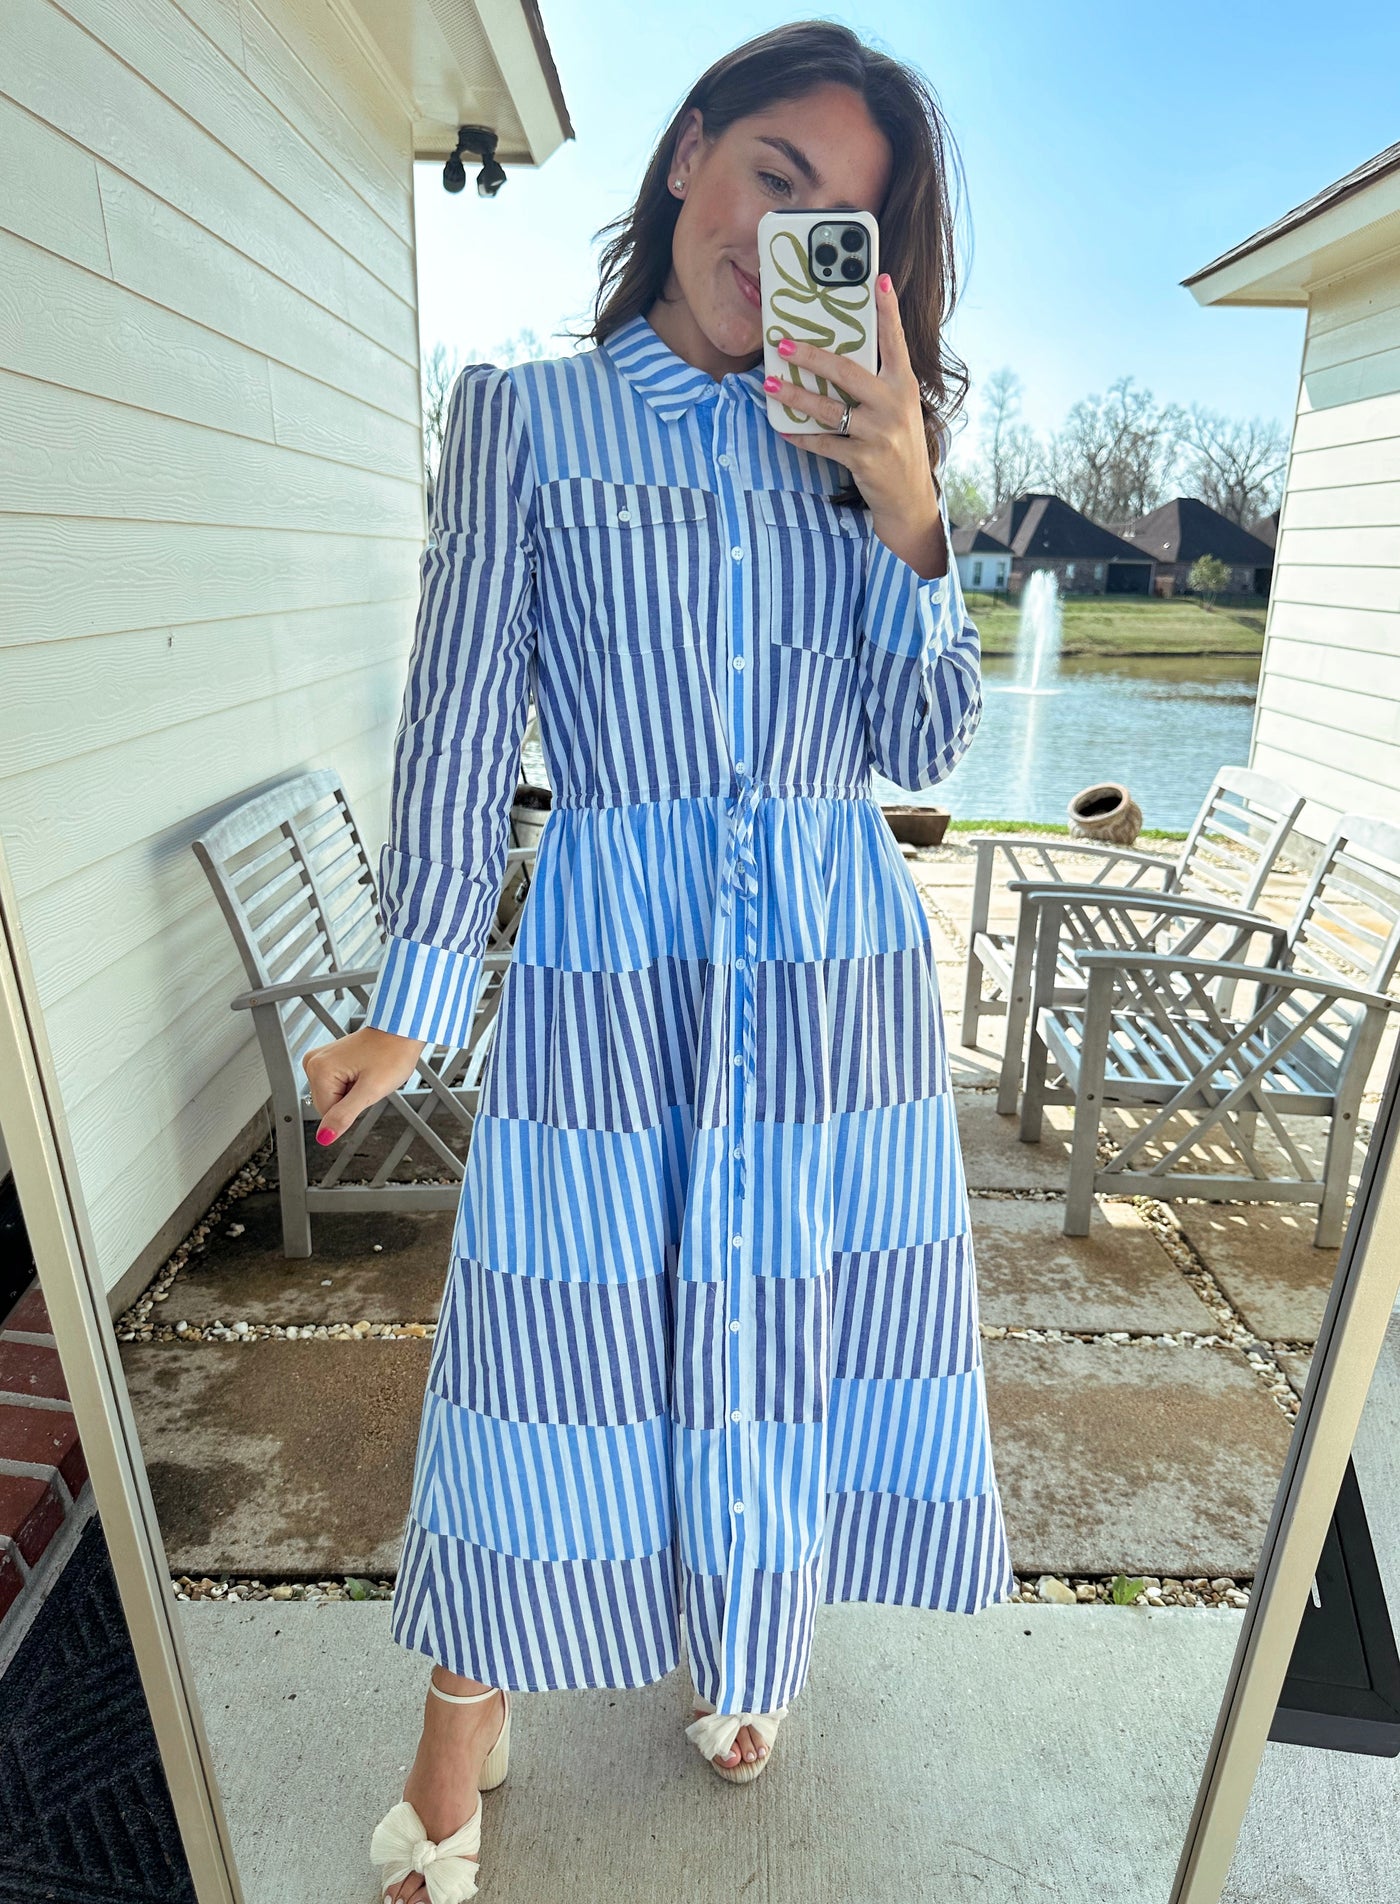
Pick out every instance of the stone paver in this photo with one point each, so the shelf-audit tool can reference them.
(1263, 1257)
(382, 1266)
(1143, 1459)
(1295, 1364)
(1030, 1275)
(994, 1156)
(276, 1457)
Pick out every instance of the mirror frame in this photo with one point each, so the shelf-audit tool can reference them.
(55, 1218)
(1349, 1342)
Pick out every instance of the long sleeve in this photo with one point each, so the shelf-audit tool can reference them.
(919, 661)
(457, 749)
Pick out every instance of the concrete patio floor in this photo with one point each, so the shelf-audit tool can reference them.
(1029, 1755)
(1141, 1386)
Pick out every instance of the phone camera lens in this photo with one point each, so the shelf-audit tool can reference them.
(852, 268)
(825, 254)
(852, 238)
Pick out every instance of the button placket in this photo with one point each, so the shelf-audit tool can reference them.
(738, 885)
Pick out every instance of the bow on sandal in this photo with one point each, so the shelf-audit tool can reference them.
(400, 1845)
(715, 1732)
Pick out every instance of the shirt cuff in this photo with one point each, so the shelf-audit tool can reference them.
(908, 613)
(425, 991)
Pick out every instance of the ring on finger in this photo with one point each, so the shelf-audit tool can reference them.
(843, 428)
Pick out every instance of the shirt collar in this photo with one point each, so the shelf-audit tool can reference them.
(670, 384)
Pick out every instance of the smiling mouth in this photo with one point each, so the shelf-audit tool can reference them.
(747, 285)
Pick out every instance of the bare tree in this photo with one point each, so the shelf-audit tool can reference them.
(1115, 456)
(439, 374)
(1236, 467)
(1012, 458)
(524, 347)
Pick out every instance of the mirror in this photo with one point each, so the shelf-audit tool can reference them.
(1164, 1054)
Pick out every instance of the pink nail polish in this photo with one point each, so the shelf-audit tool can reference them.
(772, 383)
(786, 347)
(325, 1137)
(885, 281)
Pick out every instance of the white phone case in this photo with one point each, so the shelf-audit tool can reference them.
(835, 315)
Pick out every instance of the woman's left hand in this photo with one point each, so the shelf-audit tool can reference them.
(885, 448)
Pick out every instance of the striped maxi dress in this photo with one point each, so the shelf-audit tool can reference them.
(708, 1352)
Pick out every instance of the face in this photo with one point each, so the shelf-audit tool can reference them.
(820, 150)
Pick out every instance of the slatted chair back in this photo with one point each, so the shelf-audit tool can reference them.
(1347, 925)
(292, 876)
(1236, 838)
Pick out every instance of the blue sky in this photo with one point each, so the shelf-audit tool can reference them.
(1108, 151)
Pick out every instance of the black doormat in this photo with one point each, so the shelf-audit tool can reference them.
(85, 1811)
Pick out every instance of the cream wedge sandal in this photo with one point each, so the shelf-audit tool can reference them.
(400, 1844)
(716, 1732)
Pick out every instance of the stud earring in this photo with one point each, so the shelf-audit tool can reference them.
(680, 185)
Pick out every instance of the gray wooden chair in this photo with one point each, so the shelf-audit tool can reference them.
(1226, 859)
(291, 873)
(1160, 1032)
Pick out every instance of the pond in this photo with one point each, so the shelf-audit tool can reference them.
(1159, 727)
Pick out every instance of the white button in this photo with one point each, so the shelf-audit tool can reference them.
(734, 1415)
(738, 766)
(738, 661)
(738, 1507)
(624, 515)
(737, 553)
(734, 1328)
(739, 964)
(725, 459)
(736, 1241)
(738, 1150)
(738, 1057)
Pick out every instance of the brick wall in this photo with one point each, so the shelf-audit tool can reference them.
(42, 1469)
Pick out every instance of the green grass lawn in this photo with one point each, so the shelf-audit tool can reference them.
(1124, 626)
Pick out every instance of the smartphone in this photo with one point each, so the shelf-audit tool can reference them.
(816, 275)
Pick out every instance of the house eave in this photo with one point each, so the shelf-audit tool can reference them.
(470, 62)
(1349, 225)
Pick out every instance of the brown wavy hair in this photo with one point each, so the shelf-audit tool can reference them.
(917, 218)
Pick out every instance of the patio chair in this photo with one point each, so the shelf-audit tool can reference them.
(1157, 1031)
(291, 873)
(1226, 858)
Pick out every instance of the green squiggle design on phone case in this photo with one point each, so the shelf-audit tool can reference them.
(792, 300)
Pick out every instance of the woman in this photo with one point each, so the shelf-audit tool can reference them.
(708, 1354)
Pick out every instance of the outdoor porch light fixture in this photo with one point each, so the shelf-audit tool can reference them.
(480, 141)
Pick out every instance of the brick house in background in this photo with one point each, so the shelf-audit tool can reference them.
(983, 561)
(1186, 528)
(1045, 532)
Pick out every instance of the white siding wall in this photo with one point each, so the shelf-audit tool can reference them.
(1328, 715)
(210, 521)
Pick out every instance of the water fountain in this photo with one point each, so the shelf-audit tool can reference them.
(1038, 635)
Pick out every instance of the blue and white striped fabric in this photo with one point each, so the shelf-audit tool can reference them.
(708, 1353)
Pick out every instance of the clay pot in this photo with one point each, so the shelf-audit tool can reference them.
(1107, 813)
(917, 826)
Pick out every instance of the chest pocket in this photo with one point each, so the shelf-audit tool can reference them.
(814, 568)
(628, 564)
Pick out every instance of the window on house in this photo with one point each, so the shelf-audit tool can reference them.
(1069, 572)
(977, 575)
(1098, 571)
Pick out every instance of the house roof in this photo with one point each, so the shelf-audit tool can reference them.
(1267, 528)
(1050, 528)
(976, 540)
(1186, 527)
